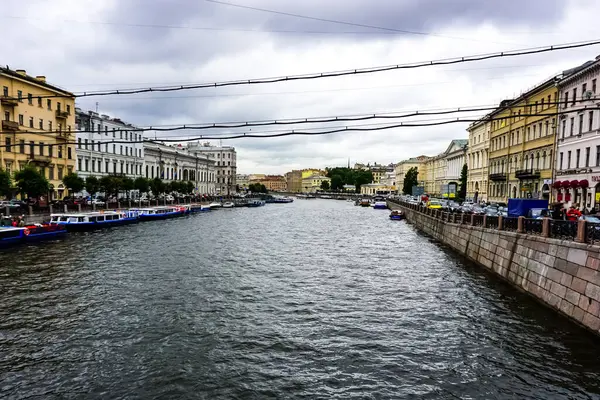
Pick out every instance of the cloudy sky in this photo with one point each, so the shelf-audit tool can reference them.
(86, 45)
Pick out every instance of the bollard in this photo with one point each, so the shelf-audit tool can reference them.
(500, 222)
(546, 227)
(484, 220)
(79, 207)
(462, 219)
(66, 209)
(472, 219)
(521, 224)
(29, 210)
(581, 228)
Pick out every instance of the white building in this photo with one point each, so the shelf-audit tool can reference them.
(177, 163)
(477, 160)
(578, 149)
(106, 146)
(226, 164)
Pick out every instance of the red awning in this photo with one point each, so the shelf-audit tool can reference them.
(557, 184)
(566, 184)
(584, 183)
(574, 183)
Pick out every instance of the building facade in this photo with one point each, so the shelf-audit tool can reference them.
(293, 181)
(242, 181)
(274, 183)
(37, 129)
(404, 166)
(225, 158)
(107, 146)
(577, 177)
(477, 160)
(522, 144)
(312, 184)
(177, 163)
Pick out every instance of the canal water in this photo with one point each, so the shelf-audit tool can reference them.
(314, 299)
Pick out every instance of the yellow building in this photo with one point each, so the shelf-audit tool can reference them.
(313, 183)
(404, 166)
(522, 143)
(37, 129)
(311, 171)
(274, 183)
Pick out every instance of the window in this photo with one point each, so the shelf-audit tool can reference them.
(121, 134)
(41, 148)
(574, 97)
(528, 133)
(536, 107)
(5, 91)
(572, 126)
(114, 132)
(31, 122)
(6, 115)
(7, 144)
(50, 151)
(60, 127)
(587, 156)
(542, 103)
(85, 144)
(105, 130)
(99, 129)
(60, 173)
(39, 101)
(534, 131)
(51, 172)
(30, 99)
(590, 121)
(568, 159)
(593, 85)
(547, 125)
(60, 155)
(99, 148)
(114, 149)
(58, 106)
(22, 146)
(94, 165)
(69, 153)
(49, 104)
(68, 109)
(577, 156)
(87, 165)
(50, 125)
(549, 100)
(20, 119)
(106, 167)
(99, 165)
(79, 143)
(121, 149)
(31, 148)
(93, 145)
(20, 95)
(41, 123)
(597, 156)
(580, 130)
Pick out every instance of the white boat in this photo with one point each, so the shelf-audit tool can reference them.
(228, 204)
(215, 204)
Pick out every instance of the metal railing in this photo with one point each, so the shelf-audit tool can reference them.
(491, 222)
(510, 224)
(532, 226)
(592, 233)
(566, 230)
(478, 220)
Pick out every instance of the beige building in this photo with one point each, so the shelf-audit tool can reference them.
(477, 160)
(293, 181)
(38, 127)
(274, 183)
(313, 183)
(403, 166)
(242, 181)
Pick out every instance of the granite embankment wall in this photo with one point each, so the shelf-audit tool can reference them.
(563, 274)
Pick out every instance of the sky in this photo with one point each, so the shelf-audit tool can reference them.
(86, 45)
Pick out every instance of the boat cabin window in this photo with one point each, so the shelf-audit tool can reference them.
(93, 219)
(63, 218)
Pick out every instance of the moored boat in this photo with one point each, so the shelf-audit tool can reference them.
(379, 203)
(215, 204)
(94, 220)
(228, 204)
(10, 236)
(364, 203)
(154, 213)
(255, 203)
(397, 215)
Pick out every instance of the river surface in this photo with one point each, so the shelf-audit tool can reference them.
(317, 299)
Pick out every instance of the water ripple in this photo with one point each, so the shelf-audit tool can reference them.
(315, 299)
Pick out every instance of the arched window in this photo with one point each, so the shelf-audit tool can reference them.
(531, 158)
(544, 160)
(537, 160)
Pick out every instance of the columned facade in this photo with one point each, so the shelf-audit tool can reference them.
(477, 161)
(171, 163)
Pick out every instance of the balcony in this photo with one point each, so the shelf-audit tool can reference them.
(38, 159)
(527, 174)
(498, 177)
(10, 126)
(62, 114)
(8, 101)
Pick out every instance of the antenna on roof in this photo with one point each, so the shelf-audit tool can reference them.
(96, 106)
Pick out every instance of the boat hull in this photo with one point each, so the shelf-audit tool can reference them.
(396, 217)
(155, 217)
(92, 226)
(380, 207)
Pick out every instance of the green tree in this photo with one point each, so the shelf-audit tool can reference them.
(5, 183)
(337, 182)
(92, 185)
(157, 186)
(362, 177)
(127, 185)
(410, 179)
(73, 182)
(462, 191)
(257, 188)
(325, 185)
(189, 187)
(110, 185)
(31, 182)
(141, 184)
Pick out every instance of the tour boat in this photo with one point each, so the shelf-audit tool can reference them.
(397, 215)
(195, 208)
(379, 203)
(365, 203)
(154, 213)
(282, 200)
(215, 204)
(30, 233)
(255, 203)
(95, 220)
(228, 204)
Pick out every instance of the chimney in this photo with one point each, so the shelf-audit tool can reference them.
(41, 78)
(22, 72)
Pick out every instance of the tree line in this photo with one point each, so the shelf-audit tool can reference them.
(31, 182)
(341, 176)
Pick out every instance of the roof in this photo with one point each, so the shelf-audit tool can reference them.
(31, 79)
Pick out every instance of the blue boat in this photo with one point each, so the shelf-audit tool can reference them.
(80, 222)
(255, 203)
(10, 236)
(397, 215)
(196, 208)
(156, 213)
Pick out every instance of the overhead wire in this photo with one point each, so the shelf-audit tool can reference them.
(323, 75)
